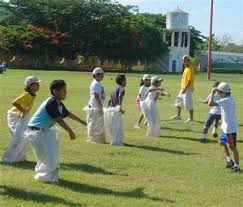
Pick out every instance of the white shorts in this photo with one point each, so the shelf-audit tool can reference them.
(185, 100)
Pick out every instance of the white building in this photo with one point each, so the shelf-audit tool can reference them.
(178, 39)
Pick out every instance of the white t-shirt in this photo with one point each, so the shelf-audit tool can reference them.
(143, 91)
(228, 113)
(216, 109)
(96, 87)
(151, 95)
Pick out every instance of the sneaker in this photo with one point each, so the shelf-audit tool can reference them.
(188, 120)
(176, 117)
(137, 126)
(235, 169)
(230, 164)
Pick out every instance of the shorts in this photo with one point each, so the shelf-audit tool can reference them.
(185, 100)
(211, 119)
(230, 138)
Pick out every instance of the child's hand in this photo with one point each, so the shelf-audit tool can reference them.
(72, 135)
(122, 111)
(24, 113)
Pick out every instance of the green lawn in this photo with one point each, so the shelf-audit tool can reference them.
(173, 170)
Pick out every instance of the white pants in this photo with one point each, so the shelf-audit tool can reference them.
(114, 125)
(45, 145)
(185, 100)
(95, 125)
(150, 112)
(18, 145)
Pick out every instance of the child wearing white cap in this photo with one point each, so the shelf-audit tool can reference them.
(144, 87)
(18, 118)
(95, 118)
(229, 124)
(149, 107)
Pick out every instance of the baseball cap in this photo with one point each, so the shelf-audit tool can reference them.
(185, 56)
(31, 80)
(98, 71)
(155, 79)
(146, 77)
(224, 87)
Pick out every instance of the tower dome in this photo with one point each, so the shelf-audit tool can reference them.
(177, 19)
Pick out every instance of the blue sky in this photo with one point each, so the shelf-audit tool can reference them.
(228, 14)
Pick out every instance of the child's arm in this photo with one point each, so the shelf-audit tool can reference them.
(97, 98)
(210, 101)
(206, 100)
(120, 99)
(60, 121)
(157, 97)
(75, 118)
(21, 109)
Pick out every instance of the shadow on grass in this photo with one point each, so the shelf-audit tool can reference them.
(137, 193)
(187, 138)
(158, 149)
(23, 195)
(179, 130)
(22, 165)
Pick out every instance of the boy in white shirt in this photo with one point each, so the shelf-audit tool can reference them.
(229, 124)
(213, 116)
(95, 118)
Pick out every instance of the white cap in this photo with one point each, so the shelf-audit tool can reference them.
(146, 77)
(155, 79)
(98, 71)
(224, 87)
(185, 56)
(31, 80)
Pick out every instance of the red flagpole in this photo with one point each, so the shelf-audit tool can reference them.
(209, 69)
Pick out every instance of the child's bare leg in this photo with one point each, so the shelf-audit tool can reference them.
(226, 149)
(235, 153)
(140, 119)
(191, 114)
(215, 129)
(178, 111)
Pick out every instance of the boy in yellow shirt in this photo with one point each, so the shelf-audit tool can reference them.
(18, 121)
(184, 98)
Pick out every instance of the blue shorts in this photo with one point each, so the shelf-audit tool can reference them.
(229, 139)
(211, 119)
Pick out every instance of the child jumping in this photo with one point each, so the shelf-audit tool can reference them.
(213, 116)
(113, 114)
(18, 118)
(42, 135)
(144, 87)
(149, 107)
(95, 117)
(229, 123)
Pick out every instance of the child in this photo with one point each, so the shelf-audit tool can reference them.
(144, 87)
(113, 114)
(43, 138)
(18, 118)
(95, 118)
(213, 116)
(229, 123)
(149, 108)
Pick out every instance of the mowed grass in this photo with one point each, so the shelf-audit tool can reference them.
(173, 170)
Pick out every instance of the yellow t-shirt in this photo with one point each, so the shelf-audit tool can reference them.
(25, 100)
(188, 75)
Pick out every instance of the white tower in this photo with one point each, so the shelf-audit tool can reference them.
(178, 38)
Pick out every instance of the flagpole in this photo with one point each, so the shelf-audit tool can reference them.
(209, 69)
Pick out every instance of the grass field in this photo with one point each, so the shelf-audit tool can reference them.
(173, 170)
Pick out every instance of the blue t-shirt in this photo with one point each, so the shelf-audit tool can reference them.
(47, 112)
(119, 90)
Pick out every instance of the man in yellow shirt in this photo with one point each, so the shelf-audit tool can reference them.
(184, 98)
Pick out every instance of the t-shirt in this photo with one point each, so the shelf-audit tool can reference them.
(216, 109)
(25, 100)
(96, 87)
(188, 75)
(228, 113)
(143, 91)
(119, 90)
(47, 112)
(152, 95)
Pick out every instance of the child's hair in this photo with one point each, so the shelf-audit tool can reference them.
(216, 84)
(27, 89)
(57, 85)
(141, 82)
(95, 75)
(120, 79)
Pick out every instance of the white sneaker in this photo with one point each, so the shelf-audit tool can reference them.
(188, 120)
(137, 126)
(176, 117)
